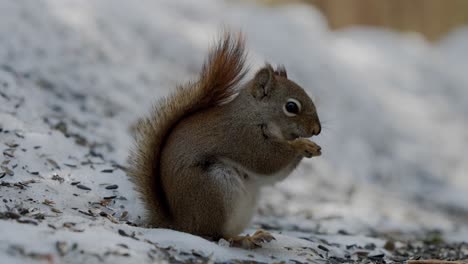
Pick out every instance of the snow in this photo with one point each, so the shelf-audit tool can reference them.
(75, 75)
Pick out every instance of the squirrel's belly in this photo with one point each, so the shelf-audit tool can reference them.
(240, 197)
(242, 193)
(242, 211)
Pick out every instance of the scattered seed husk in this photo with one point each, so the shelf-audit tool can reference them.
(62, 127)
(323, 248)
(105, 202)
(4, 96)
(80, 140)
(48, 202)
(55, 177)
(38, 216)
(124, 215)
(132, 224)
(201, 254)
(120, 167)
(123, 233)
(12, 144)
(20, 185)
(112, 187)
(23, 211)
(27, 221)
(107, 171)
(361, 253)
(9, 215)
(83, 187)
(19, 134)
(86, 213)
(62, 247)
(69, 224)
(93, 153)
(55, 210)
(7, 170)
(376, 257)
(20, 103)
(117, 253)
(112, 219)
(53, 163)
(5, 184)
(9, 153)
(24, 183)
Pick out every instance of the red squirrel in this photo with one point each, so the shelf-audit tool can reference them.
(203, 153)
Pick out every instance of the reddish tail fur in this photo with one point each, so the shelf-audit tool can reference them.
(217, 84)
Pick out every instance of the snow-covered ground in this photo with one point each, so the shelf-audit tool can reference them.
(75, 75)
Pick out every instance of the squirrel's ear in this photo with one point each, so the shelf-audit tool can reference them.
(263, 82)
(281, 71)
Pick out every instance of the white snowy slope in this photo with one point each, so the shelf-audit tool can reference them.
(75, 75)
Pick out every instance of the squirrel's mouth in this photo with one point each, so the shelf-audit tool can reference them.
(293, 136)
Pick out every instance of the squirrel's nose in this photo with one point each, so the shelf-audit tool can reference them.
(317, 129)
(316, 126)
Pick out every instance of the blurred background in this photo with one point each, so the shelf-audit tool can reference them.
(389, 79)
(432, 18)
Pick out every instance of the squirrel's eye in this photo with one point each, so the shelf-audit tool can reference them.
(292, 107)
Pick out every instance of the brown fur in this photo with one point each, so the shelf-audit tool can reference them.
(216, 84)
(209, 145)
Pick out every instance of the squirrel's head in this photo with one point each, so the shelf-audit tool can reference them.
(284, 105)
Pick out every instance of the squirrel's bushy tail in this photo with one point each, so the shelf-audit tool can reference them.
(217, 84)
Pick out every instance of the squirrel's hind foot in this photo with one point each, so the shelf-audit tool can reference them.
(251, 242)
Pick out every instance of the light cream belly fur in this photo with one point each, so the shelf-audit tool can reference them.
(241, 189)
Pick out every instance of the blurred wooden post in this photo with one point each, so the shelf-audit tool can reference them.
(433, 18)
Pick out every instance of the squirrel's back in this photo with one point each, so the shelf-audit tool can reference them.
(217, 84)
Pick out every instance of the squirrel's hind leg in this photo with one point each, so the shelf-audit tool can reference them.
(251, 242)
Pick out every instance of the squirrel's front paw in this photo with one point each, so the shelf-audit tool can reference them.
(306, 147)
